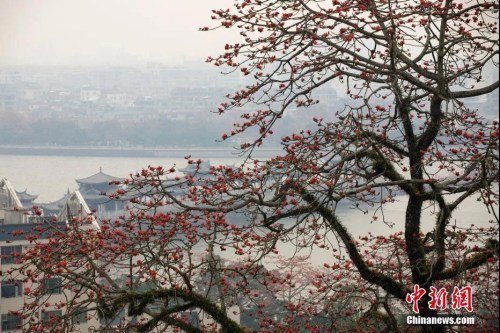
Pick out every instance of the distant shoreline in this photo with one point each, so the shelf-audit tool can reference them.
(111, 151)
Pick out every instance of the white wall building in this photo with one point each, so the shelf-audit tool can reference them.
(15, 222)
(88, 94)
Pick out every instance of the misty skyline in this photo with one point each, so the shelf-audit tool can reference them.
(108, 32)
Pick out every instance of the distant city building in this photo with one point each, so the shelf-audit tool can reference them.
(88, 94)
(119, 99)
(8, 100)
(32, 94)
(108, 105)
(11, 77)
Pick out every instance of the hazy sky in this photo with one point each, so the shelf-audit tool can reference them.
(107, 31)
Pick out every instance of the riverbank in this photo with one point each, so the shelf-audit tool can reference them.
(110, 151)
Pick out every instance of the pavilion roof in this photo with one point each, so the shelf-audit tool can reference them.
(98, 178)
(202, 168)
(24, 195)
(56, 205)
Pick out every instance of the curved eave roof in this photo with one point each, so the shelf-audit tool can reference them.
(58, 203)
(93, 194)
(203, 167)
(98, 178)
(26, 196)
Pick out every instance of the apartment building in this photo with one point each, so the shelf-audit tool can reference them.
(17, 221)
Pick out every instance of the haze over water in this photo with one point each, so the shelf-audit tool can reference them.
(50, 177)
(132, 32)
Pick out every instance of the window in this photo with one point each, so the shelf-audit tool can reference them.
(51, 316)
(116, 320)
(10, 254)
(11, 322)
(52, 286)
(80, 318)
(12, 289)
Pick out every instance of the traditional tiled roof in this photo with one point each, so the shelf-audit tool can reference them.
(98, 178)
(56, 205)
(25, 196)
(93, 194)
(202, 168)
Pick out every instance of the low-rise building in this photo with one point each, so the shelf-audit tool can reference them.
(88, 94)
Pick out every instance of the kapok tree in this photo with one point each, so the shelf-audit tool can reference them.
(136, 273)
(409, 68)
(147, 272)
(407, 134)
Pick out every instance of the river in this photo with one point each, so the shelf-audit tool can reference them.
(50, 177)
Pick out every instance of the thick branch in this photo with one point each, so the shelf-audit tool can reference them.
(476, 92)
(198, 301)
(476, 260)
(368, 274)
